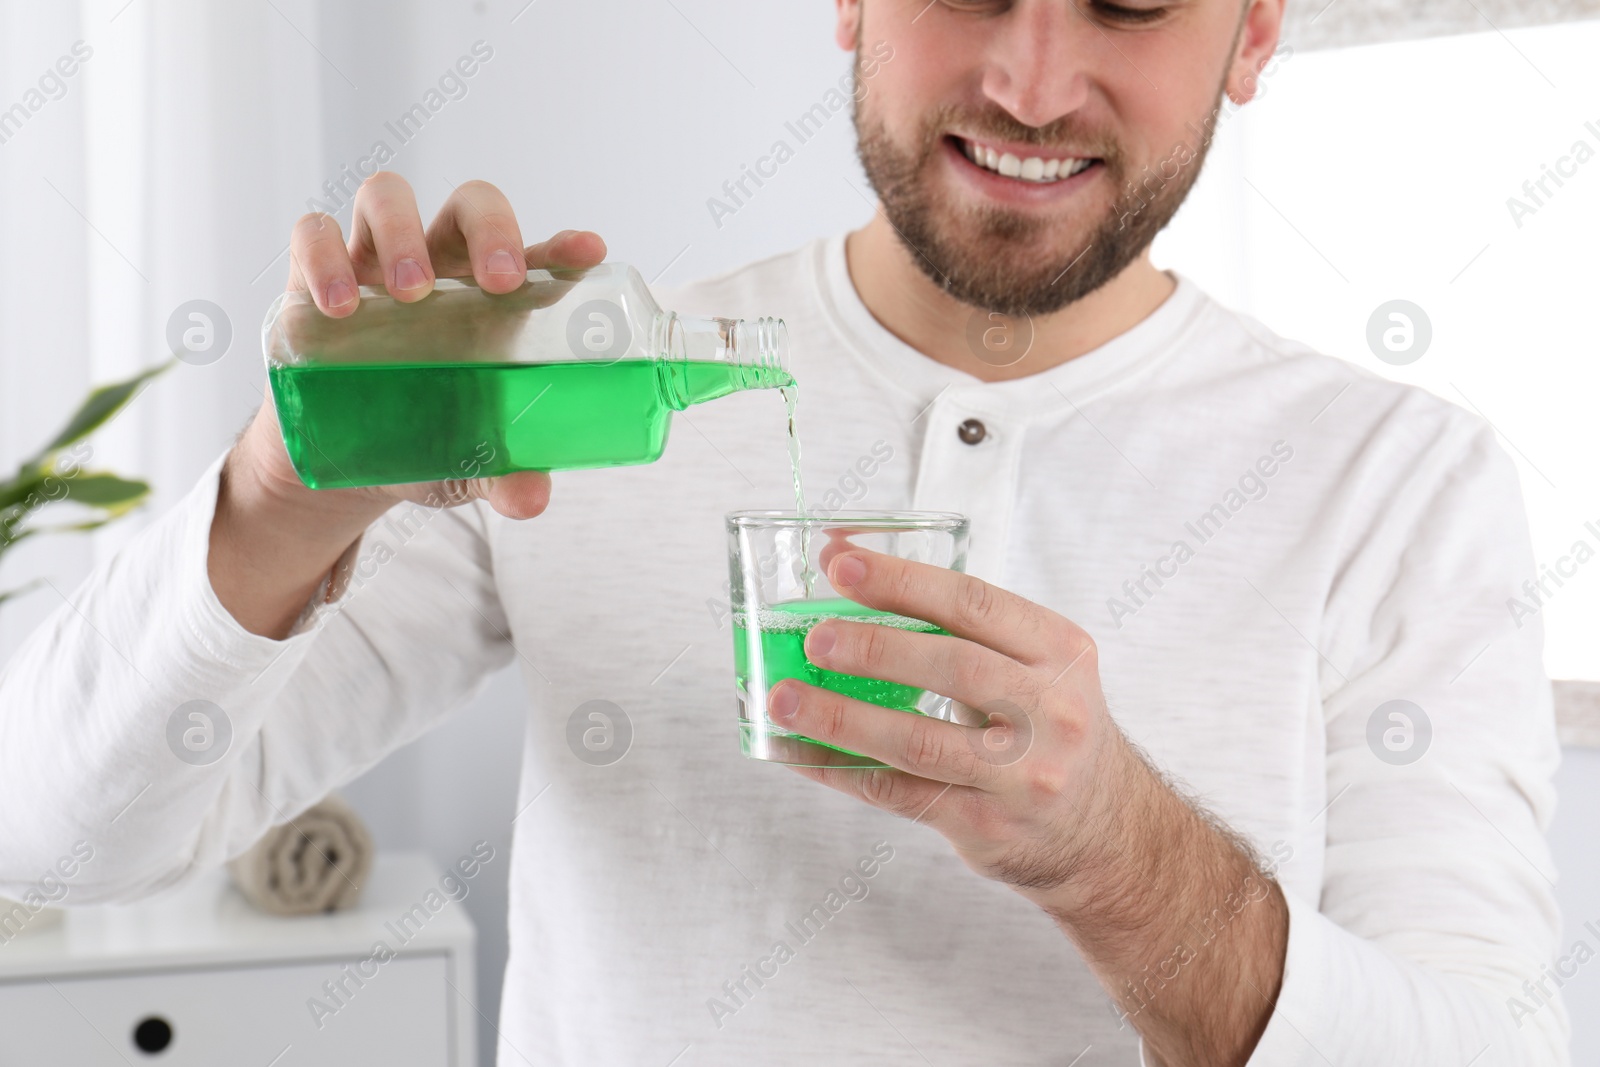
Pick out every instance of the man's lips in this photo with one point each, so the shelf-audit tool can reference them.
(1024, 163)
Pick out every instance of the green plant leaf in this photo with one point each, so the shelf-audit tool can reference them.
(99, 406)
(111, 494)
(16, 489)
(75, 527)
(21, 589)
(100, 489)
(105, 490)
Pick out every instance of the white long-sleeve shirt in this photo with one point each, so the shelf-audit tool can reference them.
(1268, 545)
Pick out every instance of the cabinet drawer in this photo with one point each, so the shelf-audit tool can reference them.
(257, 1015)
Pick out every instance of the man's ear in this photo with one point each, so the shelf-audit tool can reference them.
(1258, 39)
(849, 25)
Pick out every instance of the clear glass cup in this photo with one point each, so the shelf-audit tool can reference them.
(779, 591)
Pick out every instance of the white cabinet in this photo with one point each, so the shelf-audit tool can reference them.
(199, 979)
(256, 1015)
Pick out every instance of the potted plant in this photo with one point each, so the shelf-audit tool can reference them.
(56, 474)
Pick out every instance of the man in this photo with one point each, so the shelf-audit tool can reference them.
(1272, 774)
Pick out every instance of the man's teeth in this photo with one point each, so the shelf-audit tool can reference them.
(1032, 169)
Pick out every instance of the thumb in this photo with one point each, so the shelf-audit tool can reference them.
(518, 495)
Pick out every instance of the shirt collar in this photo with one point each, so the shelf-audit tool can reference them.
(1156, 338)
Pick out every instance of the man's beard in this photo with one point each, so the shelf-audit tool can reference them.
(985, 257)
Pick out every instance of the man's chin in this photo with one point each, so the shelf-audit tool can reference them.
(990, 268)
(1019, 260)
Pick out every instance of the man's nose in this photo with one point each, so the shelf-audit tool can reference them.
(1037, 61)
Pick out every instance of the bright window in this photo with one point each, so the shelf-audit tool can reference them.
(1372, 174)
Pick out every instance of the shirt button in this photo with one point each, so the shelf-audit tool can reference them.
(972, 431)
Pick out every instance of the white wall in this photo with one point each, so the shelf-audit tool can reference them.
(1369, 174)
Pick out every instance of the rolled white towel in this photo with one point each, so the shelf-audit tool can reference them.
(316, 862)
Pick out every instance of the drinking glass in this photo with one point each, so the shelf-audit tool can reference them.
(779, 591)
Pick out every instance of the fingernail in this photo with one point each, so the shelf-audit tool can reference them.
(783, 702)
(340, 293)
(849, 570)
(408, 275)
(820, 641)
(560, 235)
(502, 262)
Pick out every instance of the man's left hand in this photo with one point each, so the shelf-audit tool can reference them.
(1030, 798)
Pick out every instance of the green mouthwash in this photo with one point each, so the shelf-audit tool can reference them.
(574, 369)
(780, 651)
(383, 423)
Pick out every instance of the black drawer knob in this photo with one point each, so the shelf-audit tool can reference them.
(152, 1035)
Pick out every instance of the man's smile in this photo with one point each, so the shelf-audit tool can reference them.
(1022, 162)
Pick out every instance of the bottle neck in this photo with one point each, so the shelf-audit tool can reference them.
(724, 355)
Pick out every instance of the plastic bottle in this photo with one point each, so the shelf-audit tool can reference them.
(573, 369)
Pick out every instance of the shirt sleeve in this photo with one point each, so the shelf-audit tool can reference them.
(1437, 925)
(143, 721)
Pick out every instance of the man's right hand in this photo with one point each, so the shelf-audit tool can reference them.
(272, 539)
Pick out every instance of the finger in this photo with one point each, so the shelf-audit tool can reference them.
(569, 250)
(320, 265)
(927, 748)
(838, 542)
(518, 495)
(950, 666)
(965, 606)
(896, 792)
(476, 233)
(387, 245)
